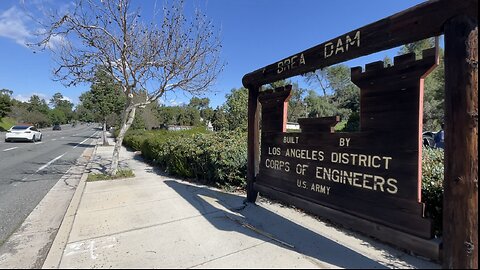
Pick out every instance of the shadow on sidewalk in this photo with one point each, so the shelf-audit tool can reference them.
(303, 240)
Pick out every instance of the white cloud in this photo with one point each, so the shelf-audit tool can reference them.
(13, 25)
(25, 98)
(21, 98)
(67, 99)
(56, 41)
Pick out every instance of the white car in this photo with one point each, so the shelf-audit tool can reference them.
(22, 133)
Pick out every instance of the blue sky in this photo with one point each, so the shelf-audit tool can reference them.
(254, 33)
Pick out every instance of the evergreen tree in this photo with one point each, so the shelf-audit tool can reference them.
(434, 86)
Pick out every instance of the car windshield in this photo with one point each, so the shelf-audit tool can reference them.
(19, 127)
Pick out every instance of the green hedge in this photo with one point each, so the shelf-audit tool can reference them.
(432, 186)
(213, 158)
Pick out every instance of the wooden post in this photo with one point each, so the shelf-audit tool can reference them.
(460, 202)
(253, 142)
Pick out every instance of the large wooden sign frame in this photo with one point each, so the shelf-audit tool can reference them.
(388, 218)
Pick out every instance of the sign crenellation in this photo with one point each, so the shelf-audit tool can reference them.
(379, 164)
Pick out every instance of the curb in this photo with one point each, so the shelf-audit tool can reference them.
(55, 253)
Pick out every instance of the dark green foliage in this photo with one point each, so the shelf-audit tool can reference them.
(63, 105)
(432, 186)
(179, 115)
(57, 116)
(219, 119)
(353, 123)
(214, 158)
(320, 106)
(5, 102)
(236, 108)
(105, 98)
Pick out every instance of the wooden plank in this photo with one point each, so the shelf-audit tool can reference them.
(408, 220)
(419, 22)
(460, 212)
(426, 248)
(325, 124)
(253, 153)
(274, 109)
(380, 142)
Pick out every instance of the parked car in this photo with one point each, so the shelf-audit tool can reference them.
(23, 133)
(428, 138)
(57, 127)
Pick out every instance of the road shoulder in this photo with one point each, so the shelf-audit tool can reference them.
(29, 245)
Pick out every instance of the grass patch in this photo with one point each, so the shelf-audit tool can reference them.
(124, 173)
(341, 125)
(6, 123)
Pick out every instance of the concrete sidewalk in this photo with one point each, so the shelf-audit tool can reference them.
(155, 221)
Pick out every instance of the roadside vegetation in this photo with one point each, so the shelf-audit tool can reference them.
(35, 111)
(121, 174)
(432, 186)
(214, 158)
(6, 123)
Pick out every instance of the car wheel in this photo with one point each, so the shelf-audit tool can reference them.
(40, 138)
(6, 140)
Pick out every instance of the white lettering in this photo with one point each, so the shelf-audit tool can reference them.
(344, 142)
(330, 47)
(301, 168)
(341, 46)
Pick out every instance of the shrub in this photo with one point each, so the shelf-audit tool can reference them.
(218, 159)
(432, 186)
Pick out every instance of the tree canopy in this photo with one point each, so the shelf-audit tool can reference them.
(145, 58)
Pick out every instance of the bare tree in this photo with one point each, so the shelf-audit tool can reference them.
(318, 77)
(168, 53)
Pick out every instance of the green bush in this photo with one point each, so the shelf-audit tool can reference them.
(214, 158)
(432, 186)
(135, 138)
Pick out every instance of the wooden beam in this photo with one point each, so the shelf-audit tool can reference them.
(253, 150)
(419, 22)
(460, 201)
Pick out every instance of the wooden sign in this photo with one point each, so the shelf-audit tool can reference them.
(370, 180)
(373, 174)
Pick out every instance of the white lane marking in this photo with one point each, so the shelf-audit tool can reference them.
(84, 140)
(54, 139)
(50, 162)
(10, 149)
(38, 142)
(57, 158)
(62, 137)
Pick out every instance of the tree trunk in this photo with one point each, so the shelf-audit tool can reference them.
(127, 121)
(104, 135)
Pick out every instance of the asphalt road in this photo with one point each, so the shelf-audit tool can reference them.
(29, 170)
